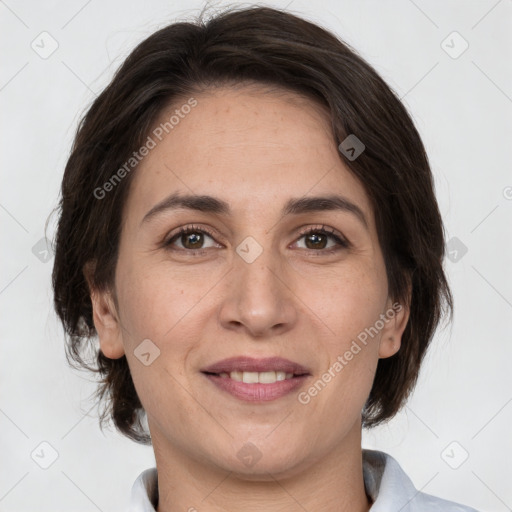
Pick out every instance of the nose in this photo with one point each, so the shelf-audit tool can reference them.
(259, 300)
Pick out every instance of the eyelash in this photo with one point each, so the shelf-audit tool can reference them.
(325, 230)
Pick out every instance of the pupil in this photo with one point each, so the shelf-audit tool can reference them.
(315, 239)
(194, 239)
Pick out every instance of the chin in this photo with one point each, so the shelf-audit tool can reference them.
(266, 471)
(253, 462)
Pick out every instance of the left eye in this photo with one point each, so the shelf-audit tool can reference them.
(316, 239)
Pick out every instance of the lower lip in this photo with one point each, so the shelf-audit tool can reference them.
(257, 392)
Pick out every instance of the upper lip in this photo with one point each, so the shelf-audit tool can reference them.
(251, 364)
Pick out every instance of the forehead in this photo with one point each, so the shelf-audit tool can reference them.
(250, 146)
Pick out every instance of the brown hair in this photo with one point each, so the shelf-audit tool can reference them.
(275, 48)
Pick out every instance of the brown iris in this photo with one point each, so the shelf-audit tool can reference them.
(316, 239)
(196, 240)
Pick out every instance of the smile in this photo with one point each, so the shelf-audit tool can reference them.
(256, 377)
(257, 386)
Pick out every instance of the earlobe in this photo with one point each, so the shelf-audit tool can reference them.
(388, 347)
(391, 338)
(106, 319)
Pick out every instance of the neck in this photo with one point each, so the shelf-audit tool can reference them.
(334, 482)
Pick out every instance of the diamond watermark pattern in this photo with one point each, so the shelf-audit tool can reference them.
(44, 45)
(456, 249)
(455, 455)
(249, 454)
(44, 455)
(249, 249)
(454, 45)
(351, 147)
(147, 352)
(42, 250)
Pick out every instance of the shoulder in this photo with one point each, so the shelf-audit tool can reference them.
(144, 497)
(391, 488)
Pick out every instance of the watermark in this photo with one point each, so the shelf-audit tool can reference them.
(342, 360)
(249, 249)
(249, 454)
(42, 250)
(455, 455)
(45, 45)
(456, 249)
(351, 147)
(44, 455)
(454, 45)
(146, 352)
(151, 142)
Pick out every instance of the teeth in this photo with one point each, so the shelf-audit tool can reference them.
(267, 377)
(250, 377)
(257, 377)
(236, 376)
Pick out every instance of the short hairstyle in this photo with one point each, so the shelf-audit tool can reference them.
(271, 47)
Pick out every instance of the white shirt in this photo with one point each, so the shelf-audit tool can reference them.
(385, 481)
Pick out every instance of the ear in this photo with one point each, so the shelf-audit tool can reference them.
(397, 315)
(105, 316)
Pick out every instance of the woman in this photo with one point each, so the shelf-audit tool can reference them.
(248, 225)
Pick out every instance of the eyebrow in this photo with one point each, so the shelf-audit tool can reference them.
(294, 206)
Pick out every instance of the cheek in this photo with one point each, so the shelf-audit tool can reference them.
(347, 301)
(349, 305)
(157, 308)
(156, 302)
(158, 305)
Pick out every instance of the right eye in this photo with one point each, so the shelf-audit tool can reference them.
(191, 239)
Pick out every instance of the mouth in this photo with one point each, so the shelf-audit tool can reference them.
(269, 377)
(257, 380)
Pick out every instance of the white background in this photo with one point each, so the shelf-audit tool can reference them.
(463, 110)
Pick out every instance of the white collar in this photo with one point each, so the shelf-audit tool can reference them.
(385, 482)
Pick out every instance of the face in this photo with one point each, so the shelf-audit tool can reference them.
(265, 271)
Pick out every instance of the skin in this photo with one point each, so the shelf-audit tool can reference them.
(254, 149)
